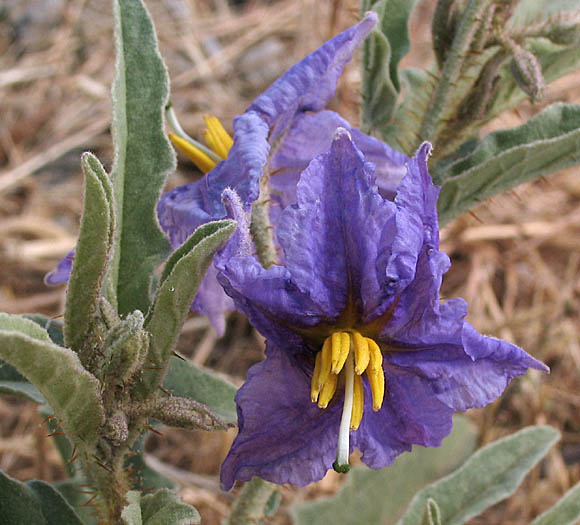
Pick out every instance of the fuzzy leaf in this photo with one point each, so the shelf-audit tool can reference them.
(53, 327)
(526, 11)
(92, 254)
(546, 143)
(184, 379)
(35, 503)
(380, 496)
(432, 514)
(18, 323)
(143, 155)
(382, 52)
(565, 512)
(401, 132)
(12, 382)
(490, 475)
(70, 390)
(131, 514)
(77, 496)
(176, 292)
(164, 506)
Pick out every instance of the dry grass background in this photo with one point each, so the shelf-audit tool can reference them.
(517, 261)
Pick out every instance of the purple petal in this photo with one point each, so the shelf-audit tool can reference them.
(311, 134)
(271, 301)
(418, 194)
(410, 415)
(185, 208)
(331, 238)
(418, 318)
(283, 437)
(416, 265)
(311, 83)
(470, 374)
(62, 271)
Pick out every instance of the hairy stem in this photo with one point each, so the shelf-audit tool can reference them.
(250, 504)
(442, 96)
(260, 227)
(112, 482)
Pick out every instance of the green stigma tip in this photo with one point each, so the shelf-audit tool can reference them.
(341, 469)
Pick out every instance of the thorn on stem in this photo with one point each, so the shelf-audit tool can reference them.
(472, 213)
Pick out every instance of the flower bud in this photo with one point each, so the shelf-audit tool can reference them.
(527, 73)
(126, 345)
(181, 412)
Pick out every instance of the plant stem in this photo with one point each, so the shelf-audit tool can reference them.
(260, 227)
(251, 502)
(441, 99)
(112, 483)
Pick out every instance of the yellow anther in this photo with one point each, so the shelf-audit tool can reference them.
(377, 383)
(201, 160)
(340, 349)
(217, 137)
(325, 362)
(376, 356)
(314, 387)
(358, 403)
(361, 353)
(328, 390)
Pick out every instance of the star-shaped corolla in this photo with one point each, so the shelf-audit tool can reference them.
(360, 351)
(277, 136)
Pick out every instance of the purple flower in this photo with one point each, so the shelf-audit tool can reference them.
(290, 115)
(360, 351)
(62, 272)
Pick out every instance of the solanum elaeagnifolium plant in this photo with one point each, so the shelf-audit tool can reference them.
(327, 237)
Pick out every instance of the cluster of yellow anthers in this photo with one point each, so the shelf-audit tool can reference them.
(216, 137)
(335, 358)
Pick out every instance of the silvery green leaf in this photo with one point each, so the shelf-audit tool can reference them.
(75, 492)
(71, 391)
(492, 474)
(432, 514)
(526, 11)
(401, 132)
(546, 143)
(164, 507)
(565, 512)
(19, 323)
(53, 327)
(184, 379)
(13, 383)
(91, 255)
(184, 272)
(380, 496)
(143, 155)
(382, 52)
(131, 514)
(34, 503)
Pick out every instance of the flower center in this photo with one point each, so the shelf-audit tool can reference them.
(216, 137)
(351, 355)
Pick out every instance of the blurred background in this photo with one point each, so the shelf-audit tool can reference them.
(516, 258)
